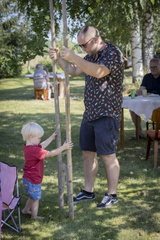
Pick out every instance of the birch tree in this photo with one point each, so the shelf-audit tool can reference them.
(137, 66)
(150, 17)
(147, 38)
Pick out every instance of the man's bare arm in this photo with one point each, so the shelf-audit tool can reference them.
(87, 67)
(73, 69)
(92, 69)
(78, 65)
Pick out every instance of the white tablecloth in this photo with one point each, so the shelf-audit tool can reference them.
(142, 106)
(59, 75)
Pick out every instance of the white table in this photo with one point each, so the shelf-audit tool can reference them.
(59, 75)
(143, 107)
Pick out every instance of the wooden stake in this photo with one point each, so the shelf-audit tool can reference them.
(57, 114)
(68, 125)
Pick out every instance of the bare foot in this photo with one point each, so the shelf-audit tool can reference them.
(38, 218)
(26, 212)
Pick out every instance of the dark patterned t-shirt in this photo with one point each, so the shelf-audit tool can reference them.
(103, 96)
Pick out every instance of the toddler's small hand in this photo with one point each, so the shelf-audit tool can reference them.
(68, 145)
(54, 135)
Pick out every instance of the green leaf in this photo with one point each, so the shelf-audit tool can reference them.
(152, 1)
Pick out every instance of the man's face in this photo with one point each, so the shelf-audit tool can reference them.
(155, 68)
(88, 43)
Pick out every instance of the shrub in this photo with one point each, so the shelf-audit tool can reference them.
(9, 67)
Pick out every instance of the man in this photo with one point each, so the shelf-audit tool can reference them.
(41, 79)
(150, 82)
(103, 68)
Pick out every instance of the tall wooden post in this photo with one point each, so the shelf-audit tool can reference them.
(68, 124)
(57, 114)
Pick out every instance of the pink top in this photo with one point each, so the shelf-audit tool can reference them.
(34, 163)
(0, 213)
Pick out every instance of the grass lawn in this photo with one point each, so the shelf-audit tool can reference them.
(136, 216)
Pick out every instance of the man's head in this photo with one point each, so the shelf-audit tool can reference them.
(155, 67)
(89, 40)
(39, 66)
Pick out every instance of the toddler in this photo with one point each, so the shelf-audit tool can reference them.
(34, 155)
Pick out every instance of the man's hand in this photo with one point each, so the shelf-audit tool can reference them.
(54, 53)
(67, 54)
(139, 91)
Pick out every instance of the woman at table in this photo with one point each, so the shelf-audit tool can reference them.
(41, 79)
(150, 82)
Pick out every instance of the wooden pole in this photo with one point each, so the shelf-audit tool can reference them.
(61, 167)
(68, 124)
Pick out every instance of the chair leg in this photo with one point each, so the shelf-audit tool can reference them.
(155, 153)
(36, 95)
(150, 123)
(45, 94)
(148, 147)
(147, 125)
(153, 125)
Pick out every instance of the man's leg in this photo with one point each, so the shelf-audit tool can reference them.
(112, 170)
(90, 169)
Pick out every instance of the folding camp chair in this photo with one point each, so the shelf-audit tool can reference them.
(10, 197)
(154, 136)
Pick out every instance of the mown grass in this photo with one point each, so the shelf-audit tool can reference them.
(136, 216)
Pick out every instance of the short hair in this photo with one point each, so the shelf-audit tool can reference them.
(31, 129)
(39, 66)
(155, 60)
(87, 28)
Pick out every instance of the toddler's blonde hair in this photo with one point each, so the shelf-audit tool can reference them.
(31, 129)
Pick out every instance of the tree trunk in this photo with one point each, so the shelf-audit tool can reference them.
(28, 67)
(137, 67)
(147, 38)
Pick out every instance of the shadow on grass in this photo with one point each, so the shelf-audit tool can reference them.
(136, 214)
(27, 92)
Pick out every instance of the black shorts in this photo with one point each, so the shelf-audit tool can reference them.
(99, 136)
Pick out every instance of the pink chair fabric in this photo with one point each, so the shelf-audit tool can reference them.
(7, 187)
(9, 202)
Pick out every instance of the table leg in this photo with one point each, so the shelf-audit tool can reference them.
(61, 88)
(122, 131)
(137, 126)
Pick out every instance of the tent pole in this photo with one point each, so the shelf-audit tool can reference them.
(61, 168)
(68, 124)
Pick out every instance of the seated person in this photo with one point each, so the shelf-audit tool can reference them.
(150, 82)
(46, 70)
(41, 79)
